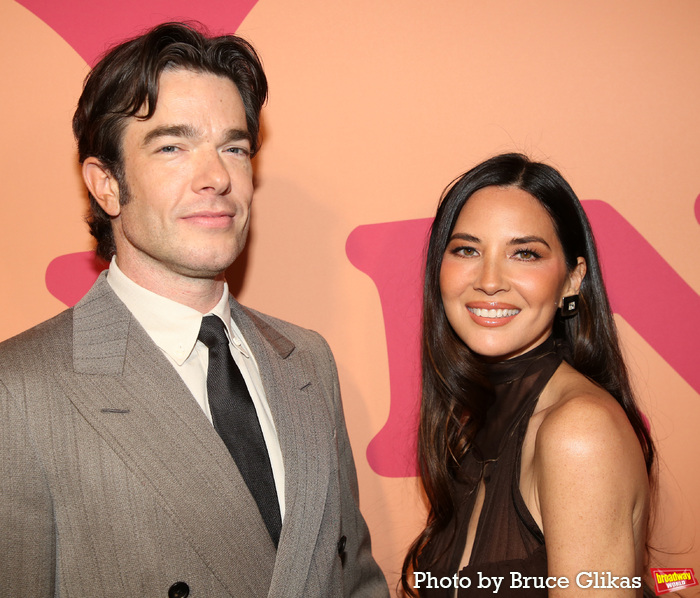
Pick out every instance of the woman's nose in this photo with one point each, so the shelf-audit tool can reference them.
(491, 276)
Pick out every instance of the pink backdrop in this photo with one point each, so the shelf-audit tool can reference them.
(374, 108)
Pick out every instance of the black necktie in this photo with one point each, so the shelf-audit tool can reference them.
(235, 420)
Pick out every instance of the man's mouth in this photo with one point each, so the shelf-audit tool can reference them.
(211, 219)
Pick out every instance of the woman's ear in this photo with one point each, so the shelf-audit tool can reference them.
(102, 185)
(576, 277)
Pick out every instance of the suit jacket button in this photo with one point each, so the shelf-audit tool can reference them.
(179, 590)
(341, 545)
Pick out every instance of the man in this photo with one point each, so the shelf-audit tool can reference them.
(160, 439)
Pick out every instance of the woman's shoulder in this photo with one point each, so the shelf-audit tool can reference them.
(585, 441)
(582, 420)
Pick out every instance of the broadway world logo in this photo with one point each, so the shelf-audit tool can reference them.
(672, 580)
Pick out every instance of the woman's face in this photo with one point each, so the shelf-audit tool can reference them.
(503, 274)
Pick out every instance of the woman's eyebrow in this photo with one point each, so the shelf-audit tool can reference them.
(465, 237)
(528, 239)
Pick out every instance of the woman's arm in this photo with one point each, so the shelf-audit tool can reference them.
(593, 494)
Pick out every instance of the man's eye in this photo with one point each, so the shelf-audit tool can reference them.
(242, 151)
(168, 149)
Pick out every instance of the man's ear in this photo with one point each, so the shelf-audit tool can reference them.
(576, 277)
(102, 184)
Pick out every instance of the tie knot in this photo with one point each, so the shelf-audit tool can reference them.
(212, 332)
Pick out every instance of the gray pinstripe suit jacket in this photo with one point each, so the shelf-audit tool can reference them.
(114, 483)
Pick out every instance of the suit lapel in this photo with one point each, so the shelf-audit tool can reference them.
(139, 405)
(305, 430)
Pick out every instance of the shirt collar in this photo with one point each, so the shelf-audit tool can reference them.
(172, 326)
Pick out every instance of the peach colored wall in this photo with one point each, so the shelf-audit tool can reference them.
(374, 108)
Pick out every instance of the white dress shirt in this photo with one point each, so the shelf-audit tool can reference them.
(174, 328)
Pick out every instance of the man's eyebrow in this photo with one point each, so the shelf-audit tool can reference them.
(186, 131)
(529, 239)
(237, 135)
(189, 132)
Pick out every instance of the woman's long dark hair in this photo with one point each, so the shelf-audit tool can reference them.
(453, 405)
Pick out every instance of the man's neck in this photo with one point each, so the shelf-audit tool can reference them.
(201, 294)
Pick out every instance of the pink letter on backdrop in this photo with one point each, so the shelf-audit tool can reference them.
(391, 254)
(91, 27)
(70, 276)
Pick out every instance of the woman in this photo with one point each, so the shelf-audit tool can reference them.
(529, 435)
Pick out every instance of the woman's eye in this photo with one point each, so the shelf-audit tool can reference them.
(465, 251)
(527, 254)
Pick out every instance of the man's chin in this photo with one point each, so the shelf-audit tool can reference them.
(207, 271)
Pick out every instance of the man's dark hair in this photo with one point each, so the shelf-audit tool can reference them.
(125, 83)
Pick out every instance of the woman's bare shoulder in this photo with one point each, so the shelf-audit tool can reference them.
(583, 421)
(581, 447)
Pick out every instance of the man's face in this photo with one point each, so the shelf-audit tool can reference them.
(188, 177)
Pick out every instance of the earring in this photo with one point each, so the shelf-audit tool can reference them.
(569, 306)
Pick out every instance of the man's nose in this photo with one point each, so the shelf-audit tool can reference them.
(212, 173)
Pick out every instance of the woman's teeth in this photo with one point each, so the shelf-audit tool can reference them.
(493, 313)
